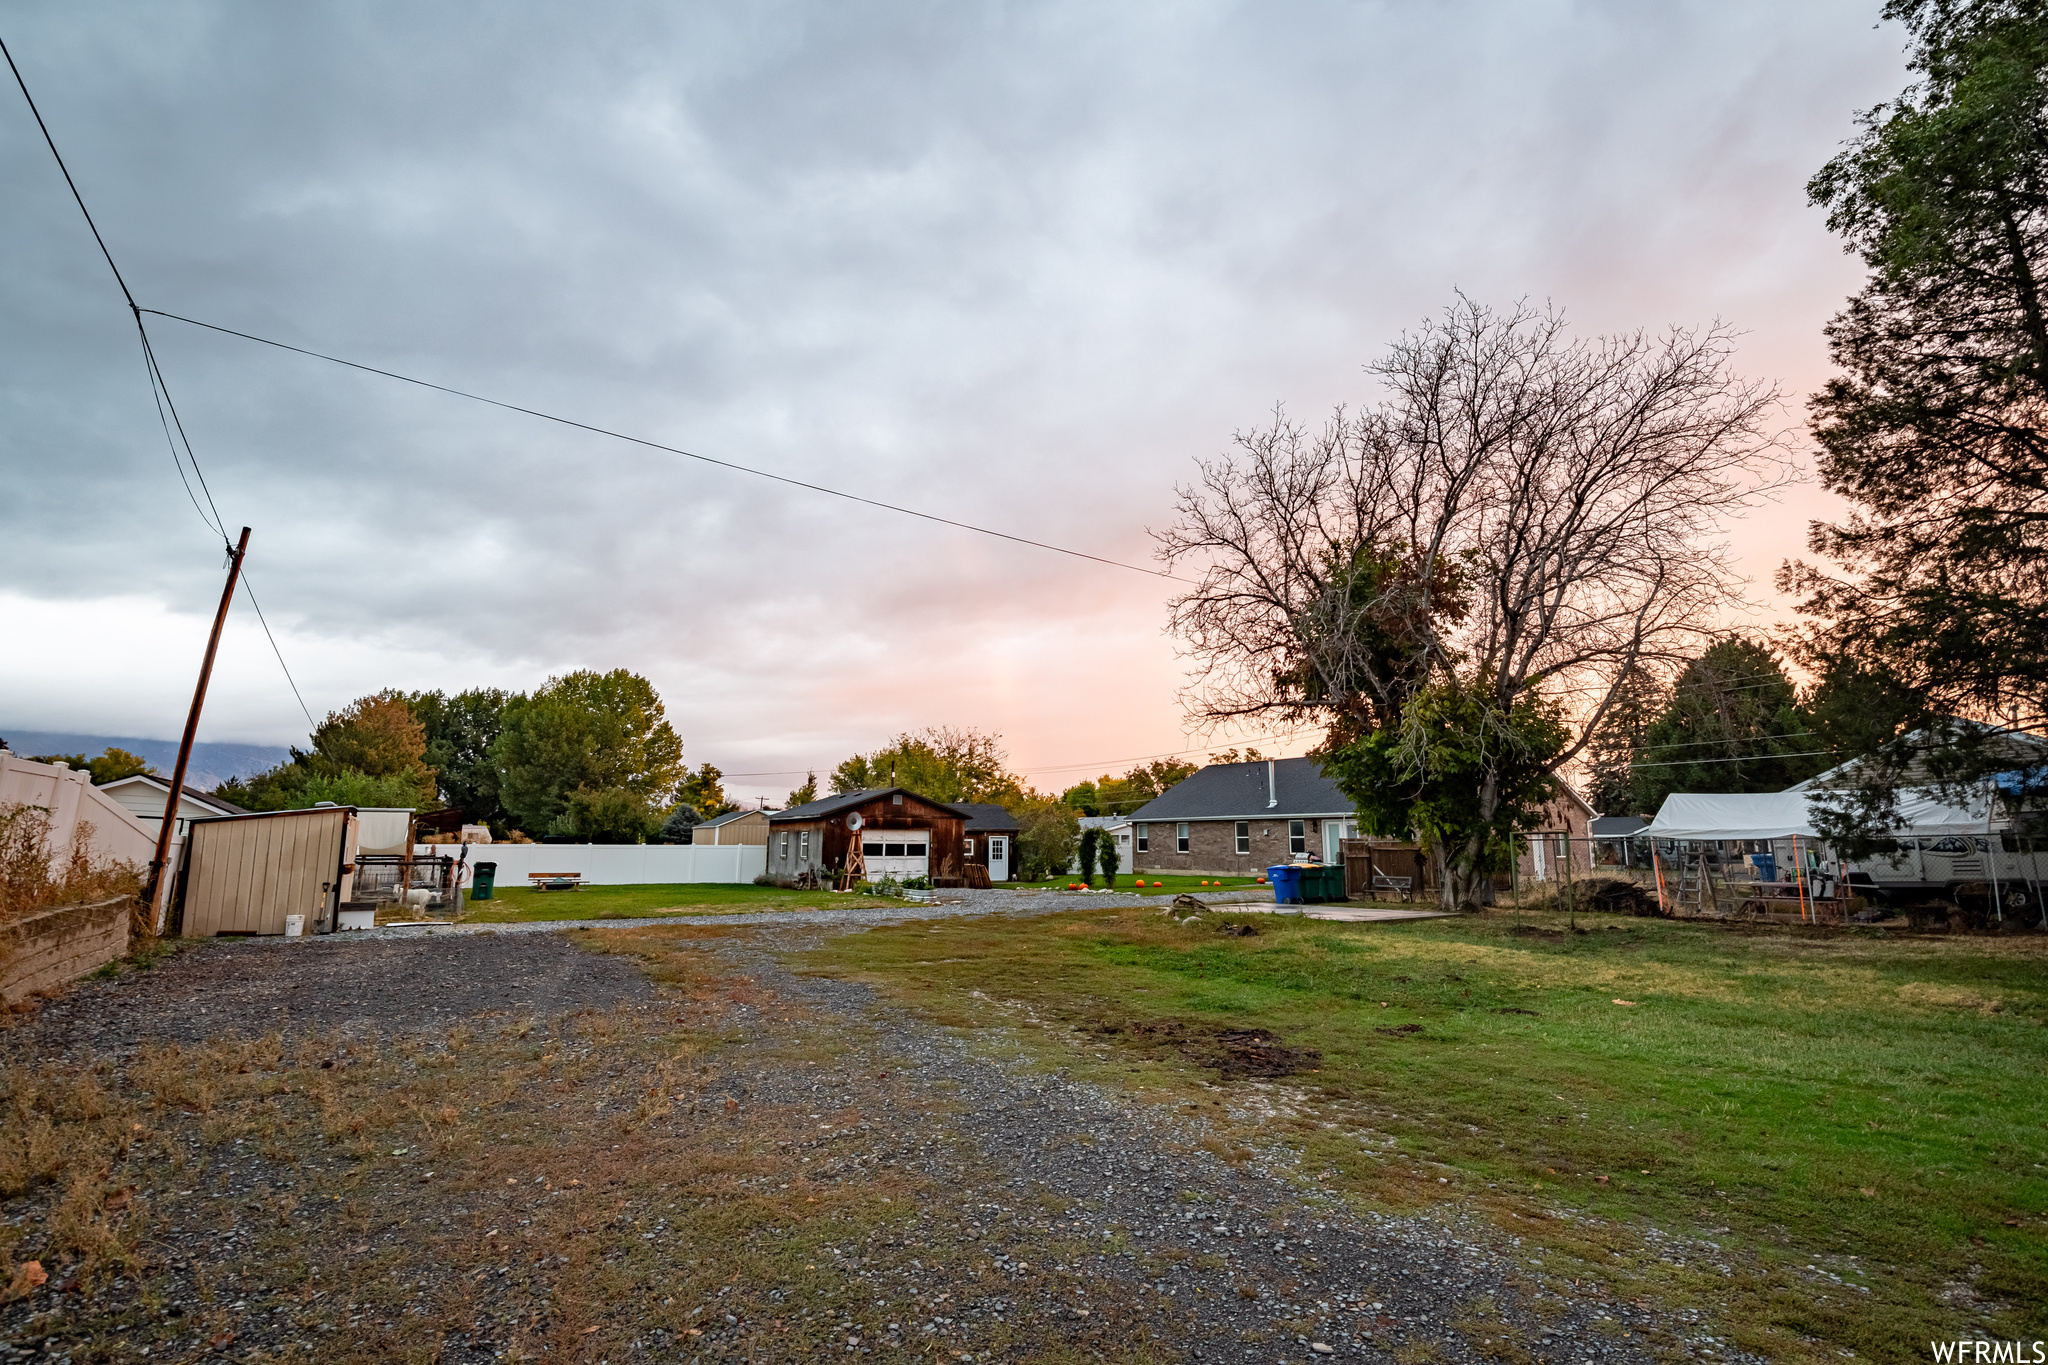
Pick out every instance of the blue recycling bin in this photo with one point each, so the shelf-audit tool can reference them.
(1286, 880)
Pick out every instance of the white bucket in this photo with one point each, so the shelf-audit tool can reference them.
(294, 926)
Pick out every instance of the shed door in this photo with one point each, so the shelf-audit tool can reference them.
(999, 857)
(897, 853)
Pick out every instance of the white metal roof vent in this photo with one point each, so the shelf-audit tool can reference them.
(1272, 787)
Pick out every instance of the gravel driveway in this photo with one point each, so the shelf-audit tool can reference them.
(1054, 1214)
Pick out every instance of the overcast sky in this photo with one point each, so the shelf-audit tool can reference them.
(1017, 265)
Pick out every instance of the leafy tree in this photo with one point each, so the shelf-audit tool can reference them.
(1047, 832)
(1090, 837)
(704, 790)
(1733, 724)
(805, 794)
(377, 735)
(1106, 858)
(1933, 428)
(608, 815)
(1122, 795)
(460, 731)
(370, 753)
(939, 763)
(111, 766)
(584, 730)
(1524, 517)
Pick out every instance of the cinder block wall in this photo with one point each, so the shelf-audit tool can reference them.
(56, 946)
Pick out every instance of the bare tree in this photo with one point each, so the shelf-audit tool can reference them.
(1523, 520)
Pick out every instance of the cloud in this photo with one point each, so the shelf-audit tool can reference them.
(1012, 265)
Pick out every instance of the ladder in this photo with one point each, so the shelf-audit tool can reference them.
(1699, 890)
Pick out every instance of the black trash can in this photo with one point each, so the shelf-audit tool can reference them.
(485, 878)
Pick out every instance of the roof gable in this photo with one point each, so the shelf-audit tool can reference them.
(825, 807)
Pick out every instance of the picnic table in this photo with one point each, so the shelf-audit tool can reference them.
(555, 881)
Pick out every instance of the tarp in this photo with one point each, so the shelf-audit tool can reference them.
(1781, 815)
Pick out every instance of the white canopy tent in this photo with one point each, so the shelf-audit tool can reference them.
(1786, 815)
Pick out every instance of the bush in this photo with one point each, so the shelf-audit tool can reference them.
(612, 815)
(1045, 838)
(33, 877)
(1106, 855)
(1089, 839)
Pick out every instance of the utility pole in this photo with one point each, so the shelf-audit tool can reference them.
(158, 888)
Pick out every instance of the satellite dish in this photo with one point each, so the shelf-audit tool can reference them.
(853, 821)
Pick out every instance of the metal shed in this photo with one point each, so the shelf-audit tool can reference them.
(244, 873)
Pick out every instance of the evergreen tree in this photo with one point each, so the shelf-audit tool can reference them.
(1933, 428)
(1733, 724)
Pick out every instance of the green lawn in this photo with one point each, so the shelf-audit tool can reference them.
(522, 903)
(1863, 1105)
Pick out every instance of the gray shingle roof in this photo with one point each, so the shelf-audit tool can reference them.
(1238, 791)
(1615, 826)
(982, 816)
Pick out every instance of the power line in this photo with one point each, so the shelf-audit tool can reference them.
(672, 450)
(250, 589)
(1746, 758)
(159, 386)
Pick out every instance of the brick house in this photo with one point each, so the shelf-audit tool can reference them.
(1565, 833)
(1237, 819)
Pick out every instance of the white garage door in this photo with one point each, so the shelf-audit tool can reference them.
(897, 853)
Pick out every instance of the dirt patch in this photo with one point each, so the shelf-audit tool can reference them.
(1232, 1052)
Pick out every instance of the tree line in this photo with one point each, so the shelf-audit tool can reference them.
(1511, 564)
(588, 755)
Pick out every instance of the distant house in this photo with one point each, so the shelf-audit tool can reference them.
(1563, 835)
(1237, 819)
(146, 794)
(1614, 840)
(1117, 829)
(733, 827)
(901, 835)
(990, 839)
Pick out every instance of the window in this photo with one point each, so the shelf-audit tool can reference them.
(1144, 844)
(970, 845)
(1297, 838)
(913, 850)
(1244, 836)
(892, 850)
(803, 846)
(1180, 837)
(897, 799)
(871, 850)
(785, 845)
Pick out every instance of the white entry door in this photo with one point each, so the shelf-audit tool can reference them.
(897, 853)
(998, 857)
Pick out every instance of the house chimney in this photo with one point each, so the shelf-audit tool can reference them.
(1272, 790)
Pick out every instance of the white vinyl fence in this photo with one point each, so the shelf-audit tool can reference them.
(617, 864)
(71, 799)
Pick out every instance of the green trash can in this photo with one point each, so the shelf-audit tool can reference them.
(1322, 883)
(482, 883)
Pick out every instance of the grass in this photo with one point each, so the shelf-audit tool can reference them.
(1816, 1114)
(520, 904)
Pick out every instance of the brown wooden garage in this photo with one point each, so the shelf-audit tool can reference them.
(244, 873)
